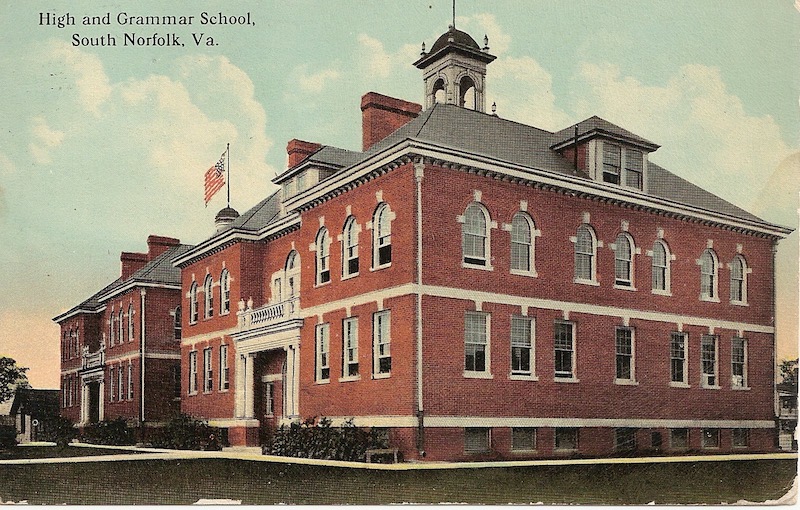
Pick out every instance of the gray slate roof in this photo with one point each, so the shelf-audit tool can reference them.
(496, 138)
(35, 403)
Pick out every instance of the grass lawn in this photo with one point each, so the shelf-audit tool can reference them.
(260, 483)
(46, 452)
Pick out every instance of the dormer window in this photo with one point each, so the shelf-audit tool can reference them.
(623, 166)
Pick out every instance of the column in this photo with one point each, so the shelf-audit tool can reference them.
(248, 387)
(295, 411)
(84, 401)
(239, 400)
(102, 399)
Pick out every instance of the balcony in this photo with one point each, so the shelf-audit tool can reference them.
(93, 360)
(267, 315)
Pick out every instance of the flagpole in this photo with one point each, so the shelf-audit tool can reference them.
(228, 151)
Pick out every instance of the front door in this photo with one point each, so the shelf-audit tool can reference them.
(94, 402)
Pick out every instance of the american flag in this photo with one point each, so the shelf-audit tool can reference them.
(215, 178)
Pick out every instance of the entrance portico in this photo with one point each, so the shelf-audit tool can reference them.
(92, 385)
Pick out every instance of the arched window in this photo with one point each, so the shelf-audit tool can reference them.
(323, 256)
(224, 292)
(293, 274)
(130, 323)
(120, 326)
(708, 275)
(176, 325)
(208, 298)
(350, 248)
(585, 250)
(661, 274)
(111, 328)
(193, 303)
(623, 261)
(439, 93)
(522, 243)
(382, 236)
(475, 235)
(467, 93)
(739, 280)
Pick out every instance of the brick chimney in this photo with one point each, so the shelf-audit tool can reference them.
(156, 245)
(299, 150)
(131, 262)
(383, 115)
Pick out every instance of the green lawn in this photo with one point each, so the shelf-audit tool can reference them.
(46, 452)
(259, 483)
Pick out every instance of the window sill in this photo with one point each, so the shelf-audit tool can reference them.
(740, 303)
(566, 380)
(348, 277)
(522, 377)
(378, 268)
(467, 265)
(709, 299)
(382, 376)
(657, 292)
(222, 314)
(223, 390)
(706, 387)
(626, 382)
(625, 287)
(468, 374)
(318, 285)
(192, 393)
(323, 381)
(740, 388)
(529, 274)
(350, 378)
(523, 452)
(581, 281)
(209, 392)
(676, 384)
(564, 450)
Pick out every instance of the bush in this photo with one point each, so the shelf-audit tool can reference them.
(319, 440)
(187, 433)
(109, 432)
(8, 436)
(59, 430)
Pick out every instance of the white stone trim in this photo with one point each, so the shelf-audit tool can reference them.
(481, 421)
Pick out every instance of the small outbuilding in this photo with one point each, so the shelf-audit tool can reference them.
(31, 409)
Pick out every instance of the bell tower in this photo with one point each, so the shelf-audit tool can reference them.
(454, 71)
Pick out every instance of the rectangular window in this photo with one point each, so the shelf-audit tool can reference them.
(740, 438)
(708, 353)
(130, 381)
(679, 438)
(677, 358)
(523, 439)
(112, 394)
(625, 440)
(193, 372)
(224, 371)
(476, 440)
(738, 362)
(522, 346)
(269, 399)
(323, 352)
(624, 351)
(710, 438)
(350, 347)
(566, 438)
(612, 158)
(121, 385)
(634, 164)
(208, 371)
(564, 349)
(476, 342)
(382, 362)
(301, 181)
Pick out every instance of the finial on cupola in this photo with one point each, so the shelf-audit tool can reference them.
(494, 108)
(423, 49)
(485, 42)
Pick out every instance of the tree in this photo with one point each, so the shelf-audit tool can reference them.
(11, 378)
(788, 369)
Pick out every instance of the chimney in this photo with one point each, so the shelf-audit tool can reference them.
(299, 150)
(383, 115)
(131, 262)
(156, 245)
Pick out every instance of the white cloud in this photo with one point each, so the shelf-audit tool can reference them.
(7, 167)
(480, 25)
(316, 82)
(377, 65)
(44, 138)
(90, 79)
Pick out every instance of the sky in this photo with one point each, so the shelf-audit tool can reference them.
(101, 146)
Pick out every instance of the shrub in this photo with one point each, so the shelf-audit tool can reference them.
(109, 432)
(187, 433)
(59, 430)
(317, 439)
(8, 436)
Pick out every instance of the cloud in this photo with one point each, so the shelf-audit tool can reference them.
(315, 82)
(7, 167)
(486, 24)
(43, 139)
(89, 77)
(383, 69)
